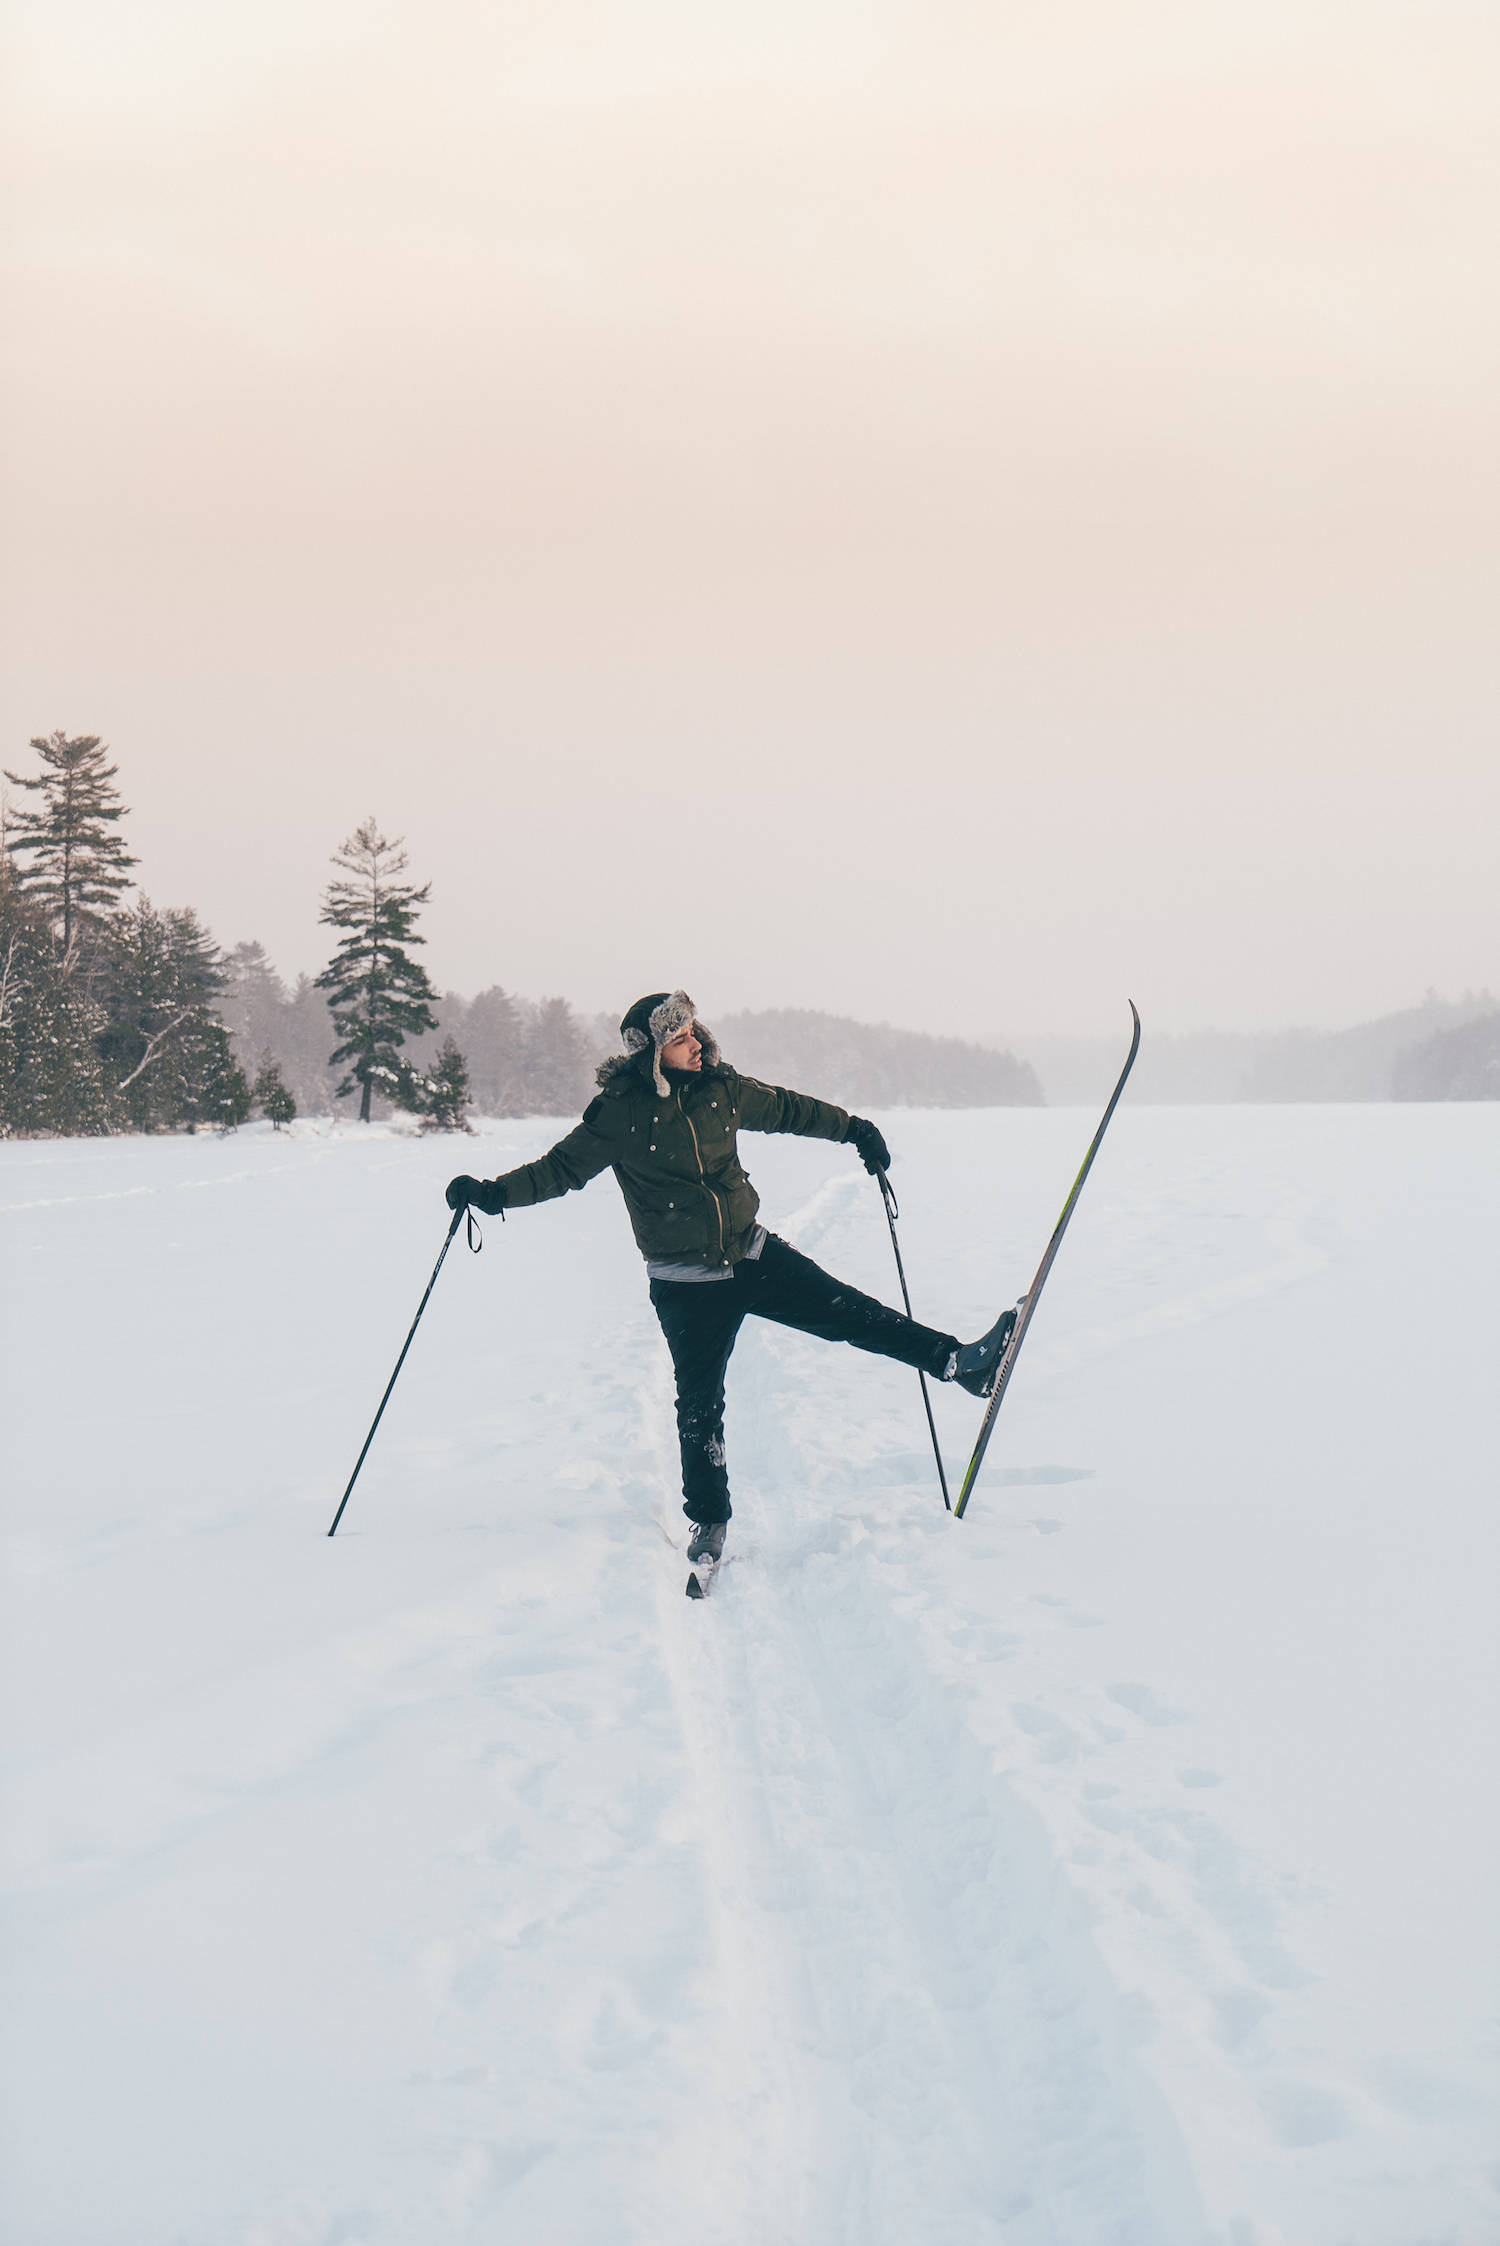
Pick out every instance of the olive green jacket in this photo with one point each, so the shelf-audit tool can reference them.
(676, 1158)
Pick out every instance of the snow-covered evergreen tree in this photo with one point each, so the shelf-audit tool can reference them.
(253, 1000)
(75, 861)
(263, 1016)
(495, 1035)
(448, 1094)
(164, 1047)
(558, 1075)
(302, 1042)
(379, 995)
(270, 1095)
(50, 1074)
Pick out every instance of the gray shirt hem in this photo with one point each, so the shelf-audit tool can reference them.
(697, 1274)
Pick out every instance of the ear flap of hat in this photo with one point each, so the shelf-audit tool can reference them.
(668, 1020)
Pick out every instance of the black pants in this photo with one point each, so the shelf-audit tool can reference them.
(701, 1323)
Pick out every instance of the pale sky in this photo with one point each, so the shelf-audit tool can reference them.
(957, 513)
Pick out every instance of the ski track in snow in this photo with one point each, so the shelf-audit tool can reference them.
(930, 2050)
(1030, 1879)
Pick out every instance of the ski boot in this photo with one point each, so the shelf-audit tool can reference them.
(706, 1541)
(975, 1365)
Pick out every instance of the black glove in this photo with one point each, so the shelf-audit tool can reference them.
(866, 1138)
(486, 1194)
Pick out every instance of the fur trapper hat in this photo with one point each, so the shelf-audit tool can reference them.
(653, 1022)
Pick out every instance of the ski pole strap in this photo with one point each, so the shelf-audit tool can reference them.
(472, 1233)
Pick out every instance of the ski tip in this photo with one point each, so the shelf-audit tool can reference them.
(695, 1589)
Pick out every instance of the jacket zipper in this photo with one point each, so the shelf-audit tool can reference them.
(703, 1174)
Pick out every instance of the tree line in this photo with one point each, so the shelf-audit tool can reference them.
(1461, 1063)
(112, 1016)
(107, 1012)
(1440, 1049)
(119, 1016)
(521, 1058)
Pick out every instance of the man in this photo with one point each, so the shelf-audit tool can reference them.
(667, 1121)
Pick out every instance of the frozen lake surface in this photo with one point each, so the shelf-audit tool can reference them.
(1116, 1867)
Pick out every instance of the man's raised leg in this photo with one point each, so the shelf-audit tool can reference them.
(792, 1290)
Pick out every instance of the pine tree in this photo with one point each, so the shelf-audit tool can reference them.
(448, 1094)
(302, 1040)
(378, 994)
(210, 1085)
(253, 1000)
(495, 1044)
(163, 1044)
(50, 1077)
(558, 1076)
(262, 1015)
(270, 1094)
(78, 862)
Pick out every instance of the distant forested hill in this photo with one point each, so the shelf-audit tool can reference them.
(1371, 1061)
(1456, 1064)
(538, 1058)
(869, 1064)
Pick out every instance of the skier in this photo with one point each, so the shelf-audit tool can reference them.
(667, 1120)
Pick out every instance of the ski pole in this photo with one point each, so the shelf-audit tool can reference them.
(476, 1242)
(891, 1214)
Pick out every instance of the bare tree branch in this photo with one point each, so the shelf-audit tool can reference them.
(5, 974)
(150, 1053)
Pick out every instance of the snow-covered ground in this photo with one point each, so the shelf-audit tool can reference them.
(1117, 1865)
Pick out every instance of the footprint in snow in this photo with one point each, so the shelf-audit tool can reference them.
(1143, 1702)
(1302, 2114)
(1055, 1740)
(1419, 2096)
(1238, 2013)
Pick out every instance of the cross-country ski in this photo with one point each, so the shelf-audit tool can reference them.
(1026, 1308)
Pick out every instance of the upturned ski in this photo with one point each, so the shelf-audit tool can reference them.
(1027, 1305)
(700, 1582)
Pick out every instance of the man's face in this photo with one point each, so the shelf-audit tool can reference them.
(682, 1051)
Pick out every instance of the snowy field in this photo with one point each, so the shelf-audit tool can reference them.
(1116, 1867)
